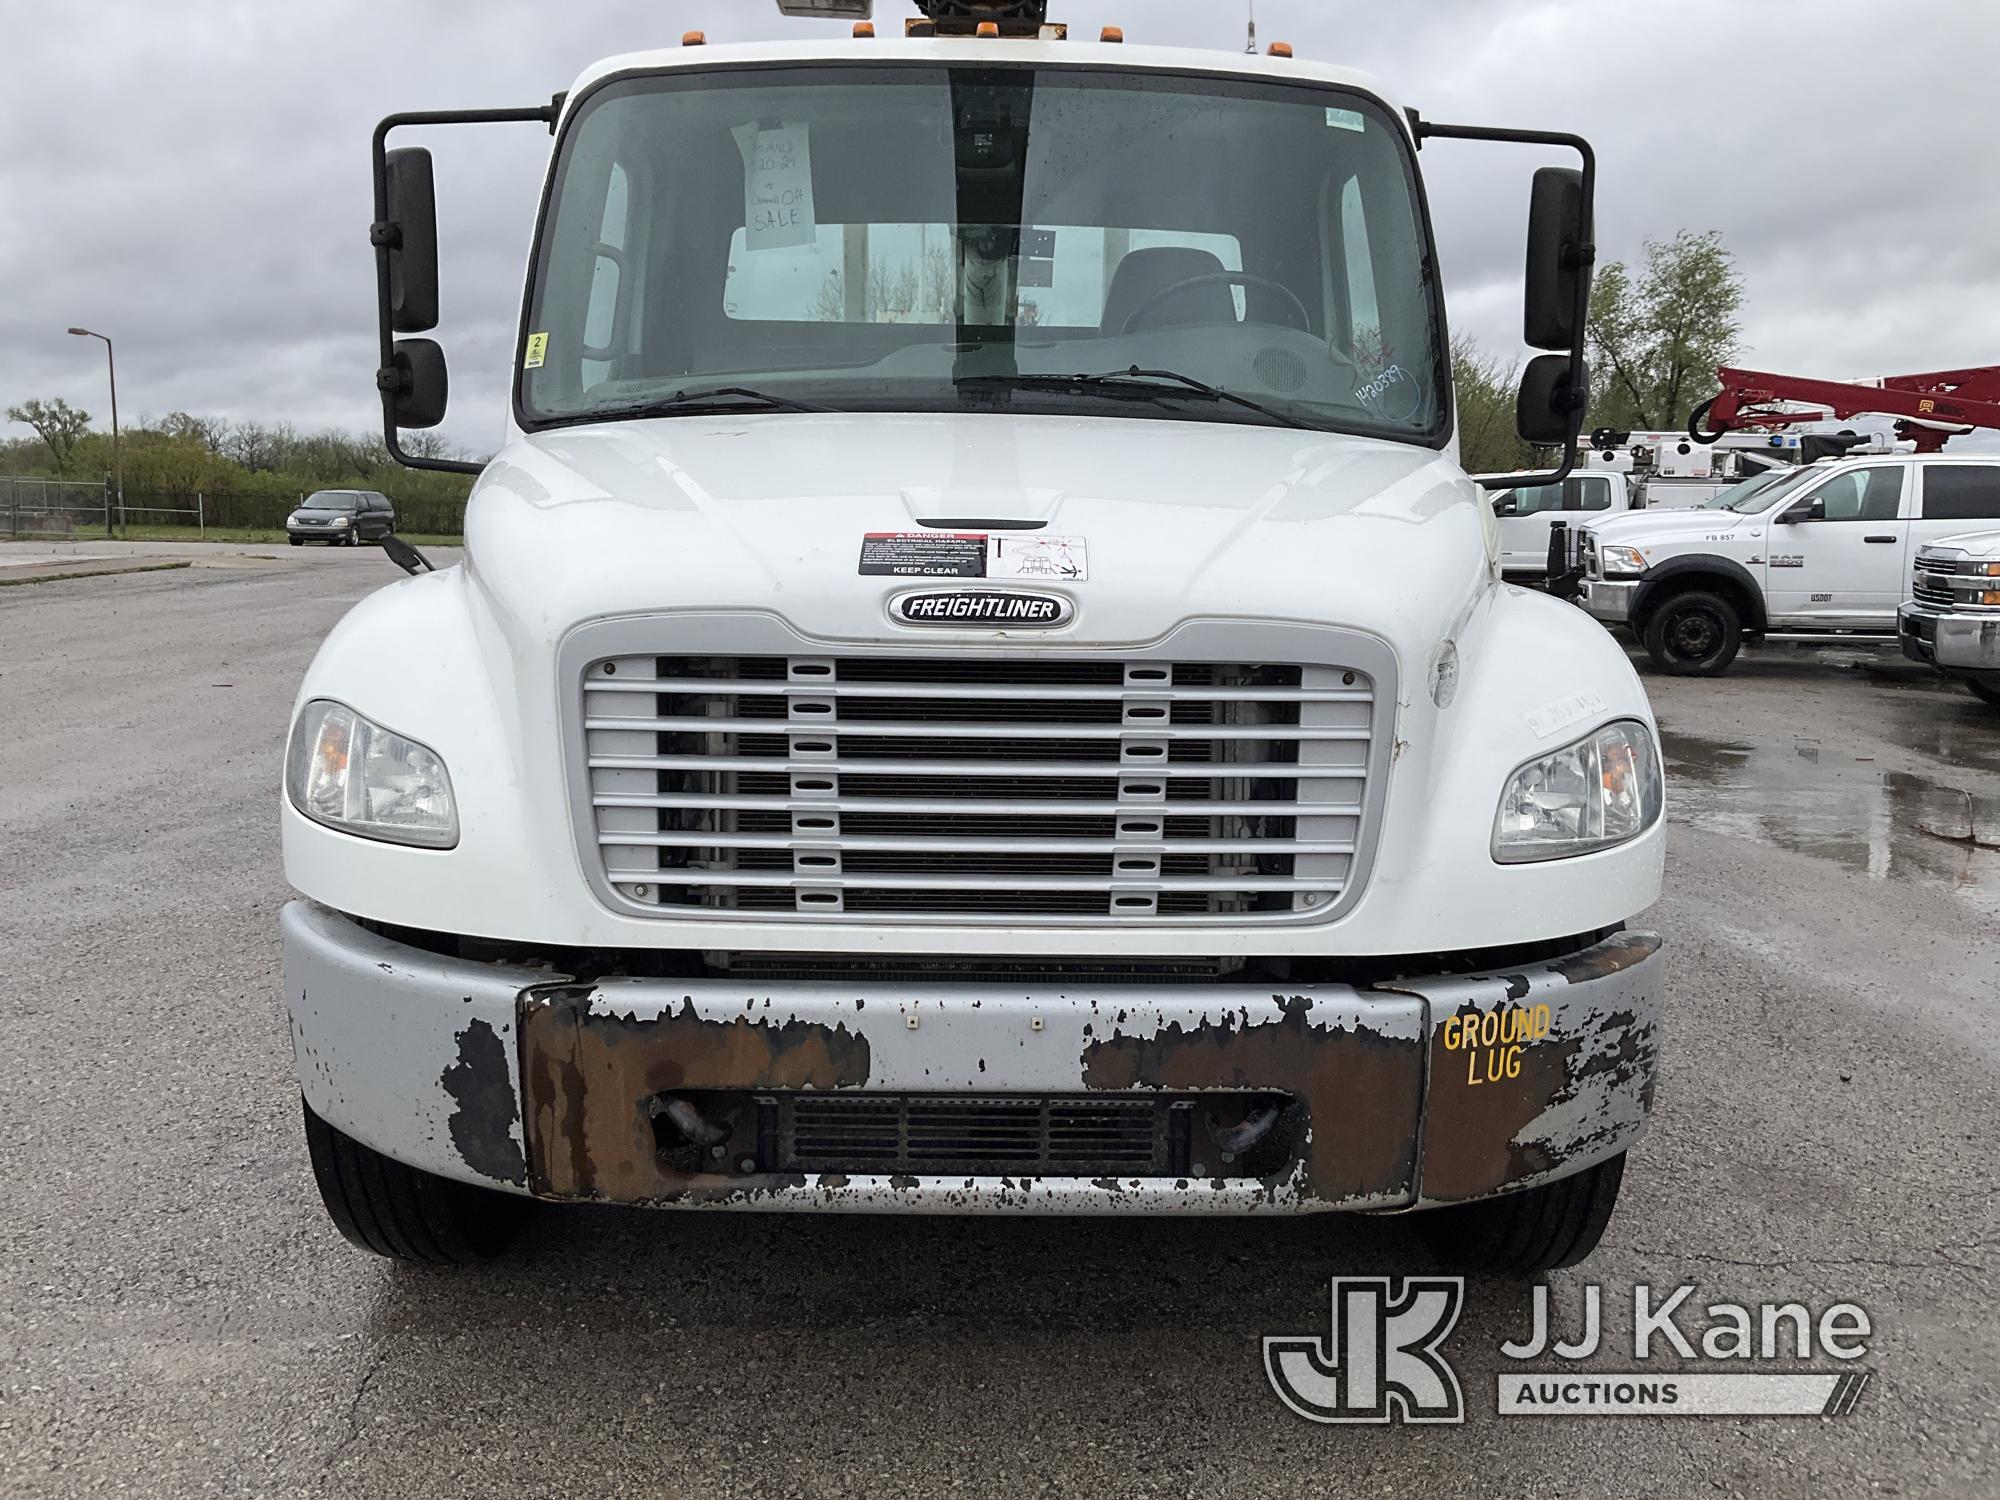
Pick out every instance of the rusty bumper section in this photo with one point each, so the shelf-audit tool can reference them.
(1430, 1091)
(1425, 1092)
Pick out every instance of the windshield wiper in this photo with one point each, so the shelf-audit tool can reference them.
(1142, 384)
(718, 398)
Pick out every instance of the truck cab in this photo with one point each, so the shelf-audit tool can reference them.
(977, 682)
(1826, 550)
(1525, 515)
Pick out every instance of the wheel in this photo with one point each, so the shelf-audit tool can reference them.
(297, 541)
(1694, 635)
(1526, 1233)
(391, 1209)
(349, 540)
(1986, 689)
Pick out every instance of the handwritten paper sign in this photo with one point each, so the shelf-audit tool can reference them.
(777, 186)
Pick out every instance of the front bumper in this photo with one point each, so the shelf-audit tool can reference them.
(1954, 642)
(1608, 599)
(1408, 1094)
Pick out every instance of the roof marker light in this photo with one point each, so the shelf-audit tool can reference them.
(864, 30)
(1113, 34)
(1281, 49)
(694, 39)
(989, 31)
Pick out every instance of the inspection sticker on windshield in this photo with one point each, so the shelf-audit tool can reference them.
(973, 554)
(1346, 119)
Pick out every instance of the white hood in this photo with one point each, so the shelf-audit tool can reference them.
(1642, 528)
(1179, 520)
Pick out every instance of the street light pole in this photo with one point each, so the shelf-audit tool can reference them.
(117, 454)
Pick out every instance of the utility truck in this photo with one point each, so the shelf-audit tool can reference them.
(1824, 552)
(977, 682)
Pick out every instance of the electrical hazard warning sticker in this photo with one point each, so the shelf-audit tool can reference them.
(973, 554)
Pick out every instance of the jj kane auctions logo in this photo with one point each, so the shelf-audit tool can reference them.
(1382, 1359)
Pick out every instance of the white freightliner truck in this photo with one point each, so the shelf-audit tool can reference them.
(977, 681)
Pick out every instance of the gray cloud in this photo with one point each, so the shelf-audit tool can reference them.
(199, 189)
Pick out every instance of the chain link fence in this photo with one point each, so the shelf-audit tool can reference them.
(34, 509)
(55, 509)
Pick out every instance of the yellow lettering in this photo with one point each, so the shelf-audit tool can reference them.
(1489, 1028)
(1451, 1024)
(1541, 1021)
(1513, 1062)
(1472, 1079)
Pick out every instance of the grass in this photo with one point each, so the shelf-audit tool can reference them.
(262, 536)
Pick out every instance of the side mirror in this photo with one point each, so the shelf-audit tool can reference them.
(1507, 505)
(1554, 393)
(1812, 510)
(417, 385)
(410, 235)
(1559, 257)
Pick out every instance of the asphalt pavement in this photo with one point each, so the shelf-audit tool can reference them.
(177, 1317)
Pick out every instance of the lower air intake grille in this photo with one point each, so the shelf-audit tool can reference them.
(985, 1135)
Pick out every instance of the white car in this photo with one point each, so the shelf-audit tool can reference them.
(1826, 550)
(863, 764)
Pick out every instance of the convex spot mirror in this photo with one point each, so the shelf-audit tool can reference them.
(1553, 396)
(421, 386)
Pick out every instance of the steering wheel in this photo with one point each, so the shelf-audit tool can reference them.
(1245, 279)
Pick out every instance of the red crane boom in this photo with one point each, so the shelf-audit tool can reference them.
(1930, 408)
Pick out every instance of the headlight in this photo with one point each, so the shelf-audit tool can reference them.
(340, 521)
(1621, 560)
(1587, 796)
(356, 776)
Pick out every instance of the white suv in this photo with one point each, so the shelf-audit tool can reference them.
(1828, 550)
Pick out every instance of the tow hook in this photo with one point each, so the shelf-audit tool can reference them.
(684, 1117)
(1254, 1126)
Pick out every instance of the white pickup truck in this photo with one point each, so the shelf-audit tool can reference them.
(1526, 514)
(1826, 550)
(864, 764)
(1952, 618)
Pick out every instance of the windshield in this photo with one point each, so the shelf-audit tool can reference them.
(929, 238)
(329, 500)
(1758, 493)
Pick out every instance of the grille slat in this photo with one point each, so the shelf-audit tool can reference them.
(1051, 790)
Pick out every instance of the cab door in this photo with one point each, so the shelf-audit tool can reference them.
(1839, 552)
(1525, 517)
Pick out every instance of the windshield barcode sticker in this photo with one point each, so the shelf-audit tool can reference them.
(973, 554)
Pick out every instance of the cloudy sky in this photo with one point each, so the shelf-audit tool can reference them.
(191, 178)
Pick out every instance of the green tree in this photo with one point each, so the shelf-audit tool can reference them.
(1658, 334)
(59, 425)
(1487, 442)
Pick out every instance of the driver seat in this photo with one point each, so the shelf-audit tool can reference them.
(1143, 273)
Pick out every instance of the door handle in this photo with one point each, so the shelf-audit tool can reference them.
(1881, 539)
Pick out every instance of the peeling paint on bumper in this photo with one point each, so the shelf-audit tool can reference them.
(1426, 1092)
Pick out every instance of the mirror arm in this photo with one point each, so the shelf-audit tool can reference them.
(1584, 252)
(385, 234)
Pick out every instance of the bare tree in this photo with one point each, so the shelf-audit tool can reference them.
(59, 425)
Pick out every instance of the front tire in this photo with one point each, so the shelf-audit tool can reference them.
(1986, 689)
(1694, 634)
(296, 541)
(389, 1209)
(1530, 1232)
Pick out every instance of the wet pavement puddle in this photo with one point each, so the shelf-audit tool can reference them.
(1826, 802)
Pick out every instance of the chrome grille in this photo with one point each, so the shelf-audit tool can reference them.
(1055, 790)
(1933, 579)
